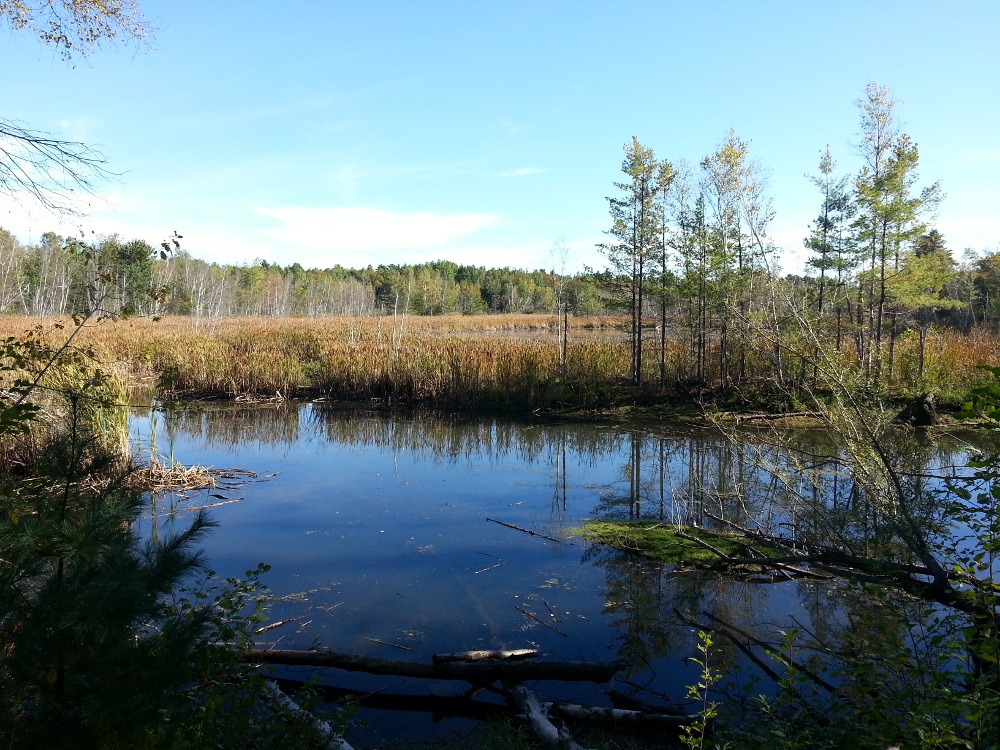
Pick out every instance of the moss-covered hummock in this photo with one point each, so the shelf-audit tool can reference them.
(662, 542)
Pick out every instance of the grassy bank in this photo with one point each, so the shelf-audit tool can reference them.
(506, 362)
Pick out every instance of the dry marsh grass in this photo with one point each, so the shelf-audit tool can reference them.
(451, 360)
(498, 361)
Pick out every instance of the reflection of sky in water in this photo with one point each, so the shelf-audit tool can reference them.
(375, 528)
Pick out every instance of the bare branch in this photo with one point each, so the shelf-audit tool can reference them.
(49, 169)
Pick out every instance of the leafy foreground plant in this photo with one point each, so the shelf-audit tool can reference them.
(695, 735)
(100, 646)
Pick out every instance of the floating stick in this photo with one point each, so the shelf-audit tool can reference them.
(527, 531)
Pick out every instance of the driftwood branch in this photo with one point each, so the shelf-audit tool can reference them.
(571, 671)
(539, 620)
(527, 531)
(703, 543)
(386, 643)
(905, 577)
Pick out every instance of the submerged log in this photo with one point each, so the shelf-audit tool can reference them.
(439, 706)
(520, 703)
(619, 715)
(475, 672)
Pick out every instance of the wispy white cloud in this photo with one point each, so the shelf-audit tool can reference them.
(978, 233)
(345, 181)
(231, 117)
(78, 128)
(363, 228)
(313, 237)
(512, 127)
(105, 215)
(974, 158)
(523, 172)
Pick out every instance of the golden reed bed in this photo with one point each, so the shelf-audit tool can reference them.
(497, 360)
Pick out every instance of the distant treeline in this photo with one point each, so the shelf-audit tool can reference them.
(57, 276)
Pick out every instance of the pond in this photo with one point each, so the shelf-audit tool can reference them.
(385, 537)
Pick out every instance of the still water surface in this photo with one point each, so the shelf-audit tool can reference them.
(376, 530)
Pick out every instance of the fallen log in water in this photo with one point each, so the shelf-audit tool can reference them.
(439, 706)
(542, 717)
(474, 672)
(516, 654)
(539, 717)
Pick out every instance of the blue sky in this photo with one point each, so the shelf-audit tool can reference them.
(377, 132)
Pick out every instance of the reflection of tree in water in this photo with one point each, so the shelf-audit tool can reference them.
(557, 460)
(678, 479)
(438, 435)
(232, 425)
(657, 610)
(644, 600)
(795, 486)
(435, 435)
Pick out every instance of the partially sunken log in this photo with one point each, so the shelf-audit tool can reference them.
(452, 706)
(474, 672)
(618, 715)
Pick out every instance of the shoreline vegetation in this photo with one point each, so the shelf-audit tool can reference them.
(489, 363)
